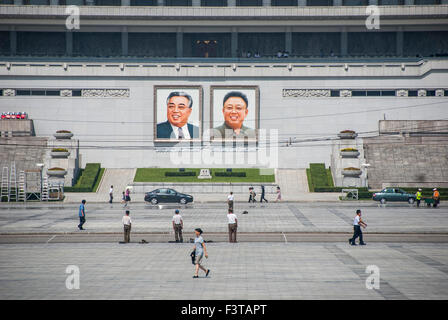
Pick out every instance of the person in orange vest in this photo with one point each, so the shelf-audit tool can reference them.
(436, 197)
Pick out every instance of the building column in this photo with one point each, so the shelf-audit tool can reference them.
(125, 3)
(196, 3)
(124, 41)
(160, 2)
(444, 2)
(399, 42)
(234, 42)
(337, 3)
(288, 40)
(13, 41)
(301, 3)
(231, 3)
(54, 2)
(179, 43)
(409, 2)
(373, 2)
(266, 3)
(69, 43)
(18, 2)
(344, 42)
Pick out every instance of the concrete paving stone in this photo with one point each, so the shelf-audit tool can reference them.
(241, 271)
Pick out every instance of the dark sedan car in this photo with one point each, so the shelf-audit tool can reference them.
(167, 195)
(393, 194)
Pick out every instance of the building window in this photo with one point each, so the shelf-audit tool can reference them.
(36, 2)
(319, 3)
(284, 3)
(426, 2)
(214, 3)
(390, 2)
(142, 3)
(249, 3)
(178, 3)
(355, 2)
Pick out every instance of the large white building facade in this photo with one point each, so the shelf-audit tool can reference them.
(99, 81)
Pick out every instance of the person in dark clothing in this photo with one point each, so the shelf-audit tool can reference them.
(357, 232)
(262, 195)
(82, 214)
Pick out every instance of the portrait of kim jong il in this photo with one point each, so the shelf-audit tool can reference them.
(238, 114)
(177, 108)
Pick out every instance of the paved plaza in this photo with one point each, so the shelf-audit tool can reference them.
(272, 217)
(239, 271)
(286, 251)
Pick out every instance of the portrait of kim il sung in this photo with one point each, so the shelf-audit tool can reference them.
(177, 113)
(234, 112)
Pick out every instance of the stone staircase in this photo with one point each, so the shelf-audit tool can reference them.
(293, 183)
(407, 161)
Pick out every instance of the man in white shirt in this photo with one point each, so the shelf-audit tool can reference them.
(233, 225)
(111, 194)
(178, 225)
(357, 224)
(230, 199)
(127, 222)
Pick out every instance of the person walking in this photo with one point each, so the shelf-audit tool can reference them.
(230, 199)
(418, 197)
(233, 225)
(123, 199)
(357, 232)
(200, 250)
(252, 195)
(262, 194)
(128, 195)
(82, 214)
(279, 195)
(178, 225)
(111, 194)
(436, 197)
(127, 222)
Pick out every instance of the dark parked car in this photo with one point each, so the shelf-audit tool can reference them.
(167, 195)
(393, 194)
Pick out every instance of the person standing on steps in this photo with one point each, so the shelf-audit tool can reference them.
(127, 222)
(82, 214)
(230, 199)
(178, 225)
(233, 225)
(200, 251)
(111, 194)
(357, 232)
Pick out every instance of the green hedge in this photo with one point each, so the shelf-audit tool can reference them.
(180, 174)
(229, 174)
(88, 179)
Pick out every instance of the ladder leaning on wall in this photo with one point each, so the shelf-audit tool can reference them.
(22, 186)
(5, 184)
(13, 183)
(44, 195)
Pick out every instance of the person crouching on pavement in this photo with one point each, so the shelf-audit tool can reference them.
(127, 227)
(200, 251)
(357, 224)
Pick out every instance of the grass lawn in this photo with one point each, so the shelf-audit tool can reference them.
(158, 175)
